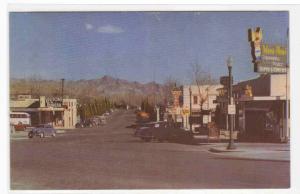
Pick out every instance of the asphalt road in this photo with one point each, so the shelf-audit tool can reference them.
(111, 158)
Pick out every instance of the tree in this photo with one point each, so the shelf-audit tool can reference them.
(203, 81)
(169, 85)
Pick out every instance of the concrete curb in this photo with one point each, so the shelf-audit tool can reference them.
(18, 138)
(252, 159)
(222, 153)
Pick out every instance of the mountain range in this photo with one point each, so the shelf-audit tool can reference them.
(104, 86)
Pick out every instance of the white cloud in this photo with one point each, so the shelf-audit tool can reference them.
(89, 26)
(110, 29)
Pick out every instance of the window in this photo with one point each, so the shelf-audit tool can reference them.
(195, 99)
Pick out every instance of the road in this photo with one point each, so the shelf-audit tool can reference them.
(111, 158)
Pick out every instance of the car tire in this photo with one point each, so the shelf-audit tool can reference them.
(30, 134)
(42, 135)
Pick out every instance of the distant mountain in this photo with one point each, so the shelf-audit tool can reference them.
(104, 86)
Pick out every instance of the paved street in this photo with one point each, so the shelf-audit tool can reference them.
(111, 158)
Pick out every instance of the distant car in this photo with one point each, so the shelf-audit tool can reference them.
(106, 113)
(42, 131)
(79, 125)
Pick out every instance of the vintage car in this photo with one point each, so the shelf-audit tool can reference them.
(163, 131)
(146, 130)
(42, 131)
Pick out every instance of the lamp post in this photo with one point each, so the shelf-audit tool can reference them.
(231, 145)
(190, 90)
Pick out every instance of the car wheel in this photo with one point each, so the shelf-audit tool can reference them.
(30, 134)
(42, 135)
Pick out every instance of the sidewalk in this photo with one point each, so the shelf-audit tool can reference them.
(254, 151)
(18, 135)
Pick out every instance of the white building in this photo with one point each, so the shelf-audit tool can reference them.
(202, 100)
(70, 112)
(45, 110)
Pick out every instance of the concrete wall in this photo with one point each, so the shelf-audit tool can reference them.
(209, 90)
(280, 85)
(266, 85)
(260, 86)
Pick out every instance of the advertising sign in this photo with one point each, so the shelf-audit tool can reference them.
(176, 96)
(54, 102)
(186, 111)
(267, 58)
(273, 59)
(255, 38)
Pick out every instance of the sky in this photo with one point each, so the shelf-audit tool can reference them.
(137, 46)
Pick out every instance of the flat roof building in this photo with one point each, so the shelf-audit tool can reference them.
(262, 105)
(47, 110)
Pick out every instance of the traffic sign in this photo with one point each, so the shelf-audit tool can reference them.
(231, 109)
(186, 111)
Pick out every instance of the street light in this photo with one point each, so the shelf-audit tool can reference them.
(231, 145)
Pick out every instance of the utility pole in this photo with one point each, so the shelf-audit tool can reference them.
(62, 89)
(157, 114)
(190, 120)
(231, 145)
(62, 99)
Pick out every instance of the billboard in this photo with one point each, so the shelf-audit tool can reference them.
(273, 59)
(267, 58)
(255, 39)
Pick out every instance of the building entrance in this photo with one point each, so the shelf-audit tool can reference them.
(255, 123)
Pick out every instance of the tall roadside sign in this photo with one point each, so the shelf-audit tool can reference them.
(267, 58)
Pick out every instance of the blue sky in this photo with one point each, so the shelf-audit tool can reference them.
(137, 46)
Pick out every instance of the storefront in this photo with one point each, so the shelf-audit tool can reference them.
(262, 105)
(263, 119)
(60, 114)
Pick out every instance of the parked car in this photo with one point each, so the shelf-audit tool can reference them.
(180, 135)
(146, 130)
(79, 125)
(42, 131)
(163, 131)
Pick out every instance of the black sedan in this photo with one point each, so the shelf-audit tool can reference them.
(163, 131)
